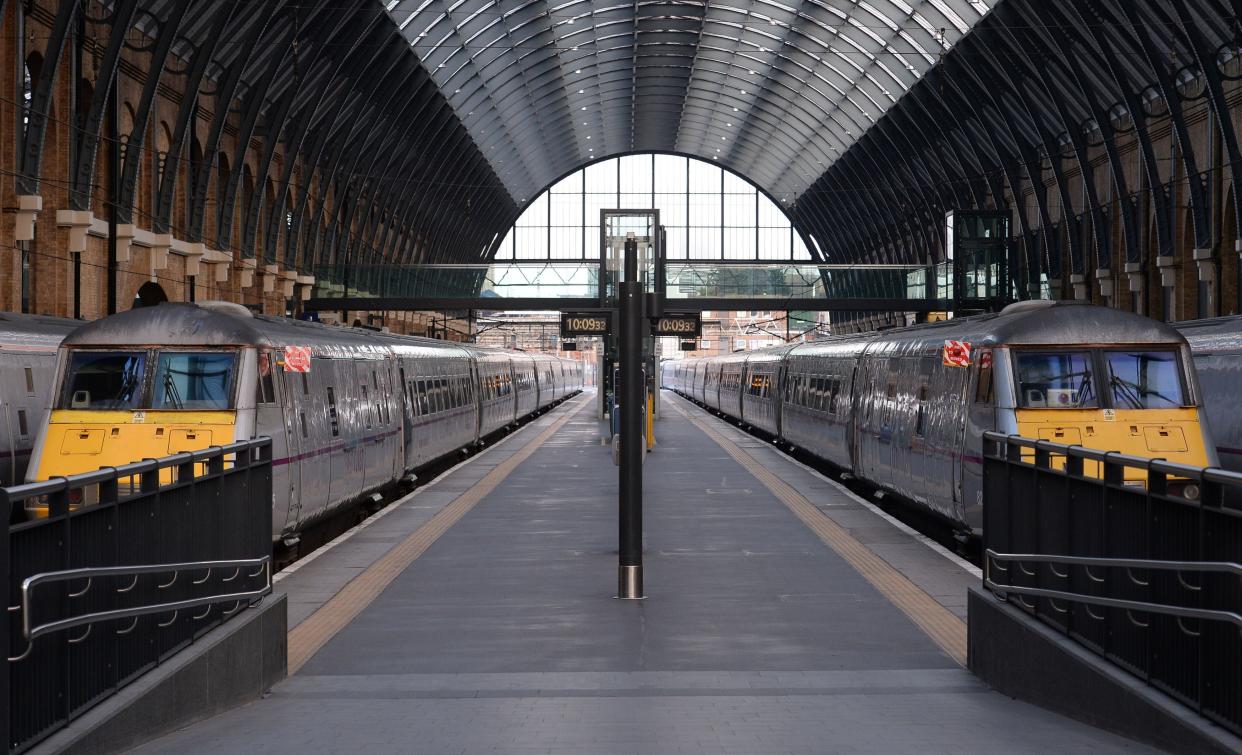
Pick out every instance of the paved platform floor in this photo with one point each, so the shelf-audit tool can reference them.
(756, 637)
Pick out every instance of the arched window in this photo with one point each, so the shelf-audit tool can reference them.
(708, 213)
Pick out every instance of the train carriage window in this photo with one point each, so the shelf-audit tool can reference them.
(104, 380)
(333, 419)
(265, 390)
(30, 388)
(420, 393)
(366, 407)
(1060, 380)
(305, 383)
(920, 421)
(1145, 379)
(23, 428)
(834, 390)
(302, 420)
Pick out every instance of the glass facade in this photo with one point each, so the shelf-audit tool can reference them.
(708, 213)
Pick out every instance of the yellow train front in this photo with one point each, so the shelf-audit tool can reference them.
(115, 401)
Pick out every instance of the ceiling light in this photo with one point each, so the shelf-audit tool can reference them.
(580, 91)
(577, 70)
(588, 137)
(730, 125)
(735, 110)
(743, 91)
(584, 108)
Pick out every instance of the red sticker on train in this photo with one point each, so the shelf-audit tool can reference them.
(297, 358)
(956, 354)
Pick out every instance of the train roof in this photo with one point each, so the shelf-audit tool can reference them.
(226, 324)
(1030, 323)
(33, 333)
(1215, 335)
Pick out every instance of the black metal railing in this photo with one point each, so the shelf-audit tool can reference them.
(123, 568)
(1139, 560)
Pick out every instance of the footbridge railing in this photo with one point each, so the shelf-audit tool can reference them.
(1139, 560)
(122, 568)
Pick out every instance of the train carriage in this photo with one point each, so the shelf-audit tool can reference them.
(1216, 345)
(905, 409)
(351, 413)
(28, 346)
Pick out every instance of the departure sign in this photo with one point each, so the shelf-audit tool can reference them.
(689, 325)
(574, 324)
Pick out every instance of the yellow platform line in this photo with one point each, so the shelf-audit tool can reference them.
(312, 634)
(939, 623)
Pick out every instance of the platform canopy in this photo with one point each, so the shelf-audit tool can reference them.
(776, 91)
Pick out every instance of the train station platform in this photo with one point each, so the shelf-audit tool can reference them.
(783, 615)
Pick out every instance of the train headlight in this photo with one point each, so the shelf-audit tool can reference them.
(1190, 492)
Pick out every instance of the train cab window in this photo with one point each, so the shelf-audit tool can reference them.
(834, 390)
(1058, 380)
(193, 380)
(333, 419)
(104, 380)
(1144, 379)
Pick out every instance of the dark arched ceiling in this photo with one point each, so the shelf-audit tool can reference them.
(429, 123)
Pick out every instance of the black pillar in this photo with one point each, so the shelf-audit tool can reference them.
(630, 299)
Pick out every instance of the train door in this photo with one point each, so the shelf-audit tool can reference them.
(295, 392)
(476, 394)
(959, 417)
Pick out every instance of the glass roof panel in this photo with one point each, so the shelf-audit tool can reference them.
(764, 88)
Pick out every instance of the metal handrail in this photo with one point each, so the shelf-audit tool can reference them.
(1211, 474)
(32, 632)
(1128, 605)
(133, 469)
(1127, 563)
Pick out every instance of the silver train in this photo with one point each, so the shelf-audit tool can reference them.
(905, 409)
(27, 363)
(1217, 347)
(351, 412)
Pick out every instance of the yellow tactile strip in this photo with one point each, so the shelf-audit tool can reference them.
(938, 622)
(312, 634)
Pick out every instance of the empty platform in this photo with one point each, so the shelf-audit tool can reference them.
(783, 615)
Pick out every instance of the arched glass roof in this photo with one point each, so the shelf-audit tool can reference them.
(775, 91)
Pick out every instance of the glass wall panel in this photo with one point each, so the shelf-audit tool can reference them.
(670, 174)
(532, 243)
(739, 209)
(704, 244)
(672, 209)
(739, 243)
(636, 175)
(707, 212)
(567, 242)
